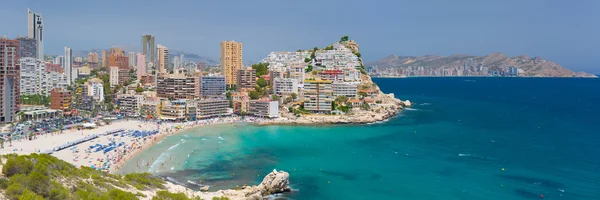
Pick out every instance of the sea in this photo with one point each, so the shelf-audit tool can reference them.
(463, 138)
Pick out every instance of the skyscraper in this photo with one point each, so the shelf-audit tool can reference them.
(181, 60)
(9, 79)
(231, 60)
(35, 30)
(104, 59)
(163, 58)
(176, 64)
(141, 66)
(116, 57)
(132, 59)
(92, 59)
(148, 48)
(68, 66)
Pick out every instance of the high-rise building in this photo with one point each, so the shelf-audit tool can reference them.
(35, 30)
(104, 59)
(178, 86)
(28, 47)
(9, 79)
(113, 76)
(246, 78)
(212, 86)
(132, 59)
(176, 64)
(148, 48)
(68, 66)
(92, 57)
(163, 58)
(33, 77)
(181, 60)
(231, 60)
(117, 57)
(140, 66)
(318, 96)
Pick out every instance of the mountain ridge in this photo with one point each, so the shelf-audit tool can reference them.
(528, 66)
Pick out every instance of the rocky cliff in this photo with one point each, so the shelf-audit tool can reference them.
(528, 66)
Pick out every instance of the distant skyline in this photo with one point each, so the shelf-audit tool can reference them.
(561, 31)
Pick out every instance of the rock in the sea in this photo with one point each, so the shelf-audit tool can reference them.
(204, 188)
(407, 103)
(275, 182)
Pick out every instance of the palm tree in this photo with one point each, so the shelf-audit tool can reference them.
(10, 140)
(2, 143)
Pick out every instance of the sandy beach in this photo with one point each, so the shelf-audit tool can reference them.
(126, 145)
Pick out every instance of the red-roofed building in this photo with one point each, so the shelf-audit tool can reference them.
(333, 75)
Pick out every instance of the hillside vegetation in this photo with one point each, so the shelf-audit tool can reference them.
(42, 176)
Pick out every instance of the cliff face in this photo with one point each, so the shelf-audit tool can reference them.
(535, 66)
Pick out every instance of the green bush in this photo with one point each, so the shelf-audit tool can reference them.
(144, 181)
(166, 195)
(14, 191)
(29, 195)
(17, 165)
(121, 195)
(220, 198)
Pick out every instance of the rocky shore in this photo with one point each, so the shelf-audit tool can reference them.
(273, 183)
(388, 107)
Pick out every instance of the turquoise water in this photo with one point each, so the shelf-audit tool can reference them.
(453, 144)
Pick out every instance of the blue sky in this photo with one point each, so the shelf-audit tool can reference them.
(567, 32)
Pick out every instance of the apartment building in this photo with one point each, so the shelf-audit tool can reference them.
(60, 99)
(318, 96)
(178, 86)
(264, 108)
(344, 89)
(212, 86)
(246, 78)
(208, 108)
(130, 104)
(231, 60)
(9, 79)
(285, 86)
(33, 77)
(297, 72)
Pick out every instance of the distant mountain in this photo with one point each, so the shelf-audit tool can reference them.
(527, 66)
(190, 57)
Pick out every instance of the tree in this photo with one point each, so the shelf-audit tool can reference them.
(330, 47)
(341, 99)
(294, 95)
(261, 69)
(344, 39)
(275, 97)
(362, 94)
(139, 89)
(357, 54)
(307, 60)
(254, 94)
(261, 82)
(308, 69)
(365, 106)
(316, 48)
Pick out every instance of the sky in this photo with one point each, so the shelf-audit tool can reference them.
(567, 32)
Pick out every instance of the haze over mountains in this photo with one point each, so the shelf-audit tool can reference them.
(528, 66)
(189, 57)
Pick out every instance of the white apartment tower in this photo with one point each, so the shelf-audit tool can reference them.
(68, 66)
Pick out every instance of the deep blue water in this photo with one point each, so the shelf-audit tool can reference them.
(453, 144)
